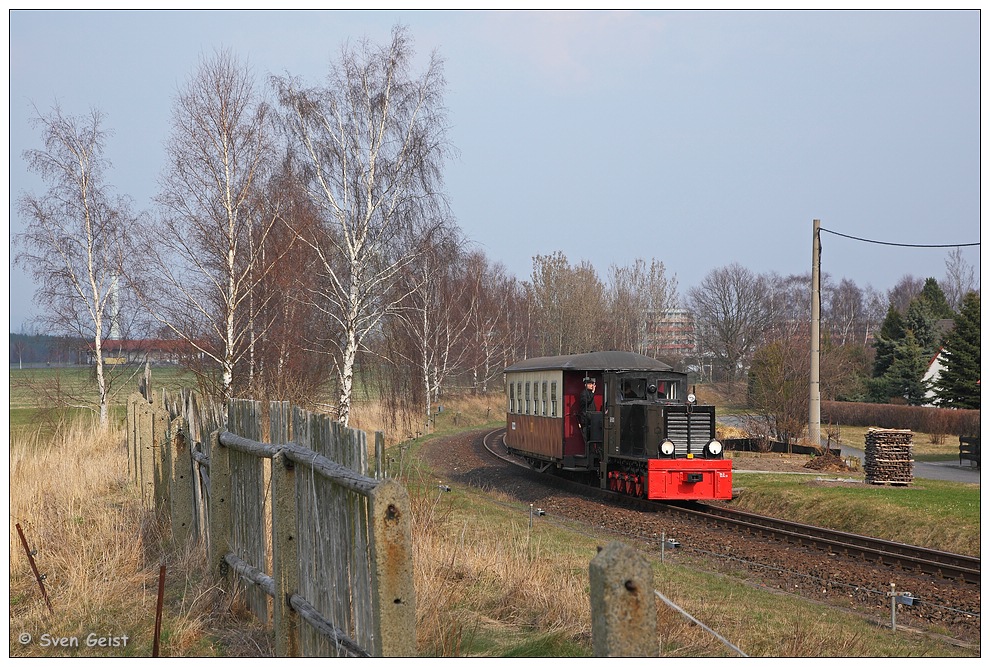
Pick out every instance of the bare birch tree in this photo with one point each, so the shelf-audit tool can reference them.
(959, 280)
(497, 301)
(640, 295)
(569, 303)
(77, 234)
(208, 251)
(435, 317)
(373, 140)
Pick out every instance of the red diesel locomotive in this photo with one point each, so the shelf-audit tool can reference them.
(645, 435)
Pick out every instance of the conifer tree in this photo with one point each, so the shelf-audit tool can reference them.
(891, 331)
(934, 298)
(905, 377)
(958, 386)
(920, 321)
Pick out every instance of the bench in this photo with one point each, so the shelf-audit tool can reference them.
(969, 449)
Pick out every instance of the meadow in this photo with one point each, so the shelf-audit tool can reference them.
(489, 583)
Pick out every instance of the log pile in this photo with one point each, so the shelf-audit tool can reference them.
(888, 456)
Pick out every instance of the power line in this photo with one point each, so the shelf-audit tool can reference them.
(903, 245)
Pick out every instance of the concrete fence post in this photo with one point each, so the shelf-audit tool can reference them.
(285, 556)
(181, 481)
(146, 453)
(623, 607)
(221, 526)
(129, 436)
(162, 457)
(393, 592)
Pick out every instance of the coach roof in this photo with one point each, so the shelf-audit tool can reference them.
(591, 361)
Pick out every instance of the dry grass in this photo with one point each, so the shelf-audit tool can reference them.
(479, 580)
(460, 411)
(488, 583)
(101, 552)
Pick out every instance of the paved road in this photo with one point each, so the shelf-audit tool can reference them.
(948, 471)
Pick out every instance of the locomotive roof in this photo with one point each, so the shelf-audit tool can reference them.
(592, 361)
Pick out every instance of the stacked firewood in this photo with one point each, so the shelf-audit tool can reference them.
(888, 456)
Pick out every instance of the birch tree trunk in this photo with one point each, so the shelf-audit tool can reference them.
(77, 235)
(373, 142)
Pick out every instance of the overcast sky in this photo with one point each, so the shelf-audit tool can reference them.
(701, 139)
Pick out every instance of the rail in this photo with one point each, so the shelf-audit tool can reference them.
(907, 556)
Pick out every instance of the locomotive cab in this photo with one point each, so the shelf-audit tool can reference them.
(635, 412)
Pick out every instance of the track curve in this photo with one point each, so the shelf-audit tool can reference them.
(883, 552)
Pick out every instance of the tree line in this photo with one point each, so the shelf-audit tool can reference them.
(302, 246)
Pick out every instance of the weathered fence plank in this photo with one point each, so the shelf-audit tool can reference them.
(339, 580)
(248, 490)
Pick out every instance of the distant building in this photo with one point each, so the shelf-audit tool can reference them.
(936, 364)
(671, 333)
(932, 374)
(139, 351)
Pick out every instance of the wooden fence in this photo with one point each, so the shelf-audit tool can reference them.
(281, 497)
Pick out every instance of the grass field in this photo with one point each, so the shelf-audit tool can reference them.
(488, 582)
(46, 397)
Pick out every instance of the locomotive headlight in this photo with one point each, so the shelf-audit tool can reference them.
(667, 447)
(692, 399)
(714, 447)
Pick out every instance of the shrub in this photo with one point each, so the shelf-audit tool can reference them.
(924, 419)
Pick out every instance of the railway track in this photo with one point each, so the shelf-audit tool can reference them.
(882, 552)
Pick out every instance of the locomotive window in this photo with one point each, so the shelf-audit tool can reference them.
(544, 395)
(553, 399)
(633, 389)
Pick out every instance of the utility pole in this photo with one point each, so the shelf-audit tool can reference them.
(815, 402)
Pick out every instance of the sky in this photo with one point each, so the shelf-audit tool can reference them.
(698, 138)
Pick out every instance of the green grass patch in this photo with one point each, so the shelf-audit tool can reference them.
(48, 398)
(932, 513)
(766, 623)
(494, 561)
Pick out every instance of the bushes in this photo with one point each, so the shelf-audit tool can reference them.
(923, 419)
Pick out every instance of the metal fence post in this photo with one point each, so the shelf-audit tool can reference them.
(623, 607)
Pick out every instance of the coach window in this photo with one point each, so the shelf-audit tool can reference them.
(528, 399)
(553, 399)
(519, 398)
(512, 397)
(544, 396)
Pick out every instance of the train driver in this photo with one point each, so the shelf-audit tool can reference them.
(586, 405)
